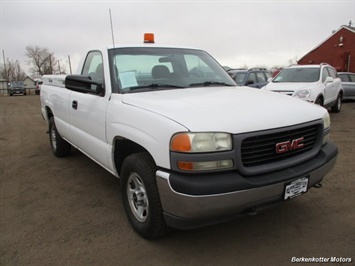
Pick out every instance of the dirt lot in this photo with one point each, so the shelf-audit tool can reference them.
(68, 211)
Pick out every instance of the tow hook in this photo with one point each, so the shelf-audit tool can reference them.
(318, 185)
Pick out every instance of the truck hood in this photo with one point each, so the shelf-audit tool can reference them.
(226, 109)
(290, 86)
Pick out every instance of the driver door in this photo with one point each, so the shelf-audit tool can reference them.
(87, 113)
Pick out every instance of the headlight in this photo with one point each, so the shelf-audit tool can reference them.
(326, 127)
(201, 142)
(326, 121)
(303, 94)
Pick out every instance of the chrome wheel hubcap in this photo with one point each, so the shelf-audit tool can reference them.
(137, 197)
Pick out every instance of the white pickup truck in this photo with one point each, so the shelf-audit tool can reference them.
(189, 146)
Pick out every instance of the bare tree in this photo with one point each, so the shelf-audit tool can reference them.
(260, 66)
(293, 60)
(245, 66)
(277, 67)
(12, 71)
(42, 61)
(19, 74)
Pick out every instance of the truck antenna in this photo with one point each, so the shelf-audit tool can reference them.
(113, 37)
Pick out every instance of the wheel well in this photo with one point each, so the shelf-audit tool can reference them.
(123, 148)
(49, 113)
(320, 96)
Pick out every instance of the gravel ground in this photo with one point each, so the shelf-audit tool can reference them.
(68, 211)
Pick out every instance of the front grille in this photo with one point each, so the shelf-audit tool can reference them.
(290, 93)
(261, 149)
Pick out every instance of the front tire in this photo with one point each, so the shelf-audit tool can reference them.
(59, 146)
(140, 196)
(319, 101)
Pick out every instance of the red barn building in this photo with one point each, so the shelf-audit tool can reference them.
(338, 51)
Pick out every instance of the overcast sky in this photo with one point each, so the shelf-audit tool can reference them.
(236, 33)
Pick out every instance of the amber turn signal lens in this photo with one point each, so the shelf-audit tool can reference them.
(186, 166)
(181, 143)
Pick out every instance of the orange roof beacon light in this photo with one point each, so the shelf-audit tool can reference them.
(148, 37)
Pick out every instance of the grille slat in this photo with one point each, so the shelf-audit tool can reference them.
(261, 149)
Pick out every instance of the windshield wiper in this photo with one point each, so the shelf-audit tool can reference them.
(209, 83)
(154, 86)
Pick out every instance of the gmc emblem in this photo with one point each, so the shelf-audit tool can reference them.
(286, 146)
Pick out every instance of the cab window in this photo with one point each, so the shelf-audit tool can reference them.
(332, 72)
(344, 78)
(261, 77)
(325, 74)
(93, 67)
(251, 79)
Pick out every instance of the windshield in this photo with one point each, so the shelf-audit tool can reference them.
(16, 84)
(239, 77)
(144, 69)
(298, 75)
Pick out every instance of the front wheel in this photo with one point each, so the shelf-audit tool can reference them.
(337, 106)
(59, 146)
(319, 101)
(140, 196)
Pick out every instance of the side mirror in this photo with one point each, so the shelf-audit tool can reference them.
(83, 84)
(329, 80)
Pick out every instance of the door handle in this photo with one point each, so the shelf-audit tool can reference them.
(74, 105)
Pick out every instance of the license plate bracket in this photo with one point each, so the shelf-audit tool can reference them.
(296, 188)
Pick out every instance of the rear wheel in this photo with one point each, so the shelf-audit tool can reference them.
(140, 196)
(59, 146)
(337, 106)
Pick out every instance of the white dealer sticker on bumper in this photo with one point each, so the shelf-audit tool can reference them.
(296, 188)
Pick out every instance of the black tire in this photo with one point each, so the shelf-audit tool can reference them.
(140, 196)
(319, 101)
(59, 146)
(337, 106)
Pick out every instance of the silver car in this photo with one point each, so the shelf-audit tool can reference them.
(348, 83)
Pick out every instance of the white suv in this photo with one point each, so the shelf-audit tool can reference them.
(319, 84)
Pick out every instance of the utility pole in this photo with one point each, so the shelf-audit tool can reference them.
(50, 64)
(59, 67)
(3, 56)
